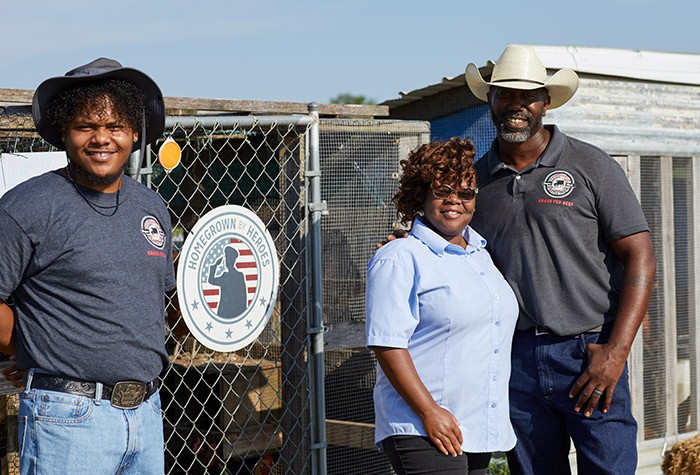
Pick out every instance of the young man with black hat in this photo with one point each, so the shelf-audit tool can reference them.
(566, 230)
(86, 260)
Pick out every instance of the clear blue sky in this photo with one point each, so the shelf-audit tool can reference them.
(311, 50)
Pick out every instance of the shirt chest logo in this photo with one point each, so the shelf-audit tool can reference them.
(153, 232)
(558, 184)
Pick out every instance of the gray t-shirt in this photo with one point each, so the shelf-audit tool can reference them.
(548, 229)
(87, 285)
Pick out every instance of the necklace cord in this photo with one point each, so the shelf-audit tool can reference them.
(96, 207)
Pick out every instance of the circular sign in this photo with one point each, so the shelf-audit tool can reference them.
(227, 278)
(169, 154)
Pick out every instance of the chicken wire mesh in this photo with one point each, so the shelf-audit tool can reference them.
(360, 166)
(669, 330)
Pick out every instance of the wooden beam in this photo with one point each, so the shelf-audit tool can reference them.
(358, 435)
(193, 106)
(16, 96)
(253, 441)
(344, 335)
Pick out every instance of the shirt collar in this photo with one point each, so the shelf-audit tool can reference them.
(549, 157)
(439, 245)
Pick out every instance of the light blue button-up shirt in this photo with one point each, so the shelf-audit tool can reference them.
(455, 313)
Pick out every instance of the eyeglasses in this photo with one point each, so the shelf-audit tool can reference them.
(444, 191)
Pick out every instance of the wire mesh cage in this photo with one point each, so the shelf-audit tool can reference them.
(360, 171)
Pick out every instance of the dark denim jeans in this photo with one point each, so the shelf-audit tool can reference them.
(413, 455)
(544, 369)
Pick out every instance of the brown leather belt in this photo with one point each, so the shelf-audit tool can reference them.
(123, 395)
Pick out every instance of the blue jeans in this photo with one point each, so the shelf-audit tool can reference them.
(61, 433)
(544, 369)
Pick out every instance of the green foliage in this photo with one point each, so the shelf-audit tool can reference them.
(347, 98)
(498, 465)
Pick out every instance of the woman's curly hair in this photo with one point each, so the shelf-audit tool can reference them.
(448, 163)
(127, 102)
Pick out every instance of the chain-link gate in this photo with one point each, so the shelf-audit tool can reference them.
(263, 409)
(246, 411)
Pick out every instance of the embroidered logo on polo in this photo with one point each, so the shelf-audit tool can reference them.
(153, 232)
(227, 278)
(558, 184)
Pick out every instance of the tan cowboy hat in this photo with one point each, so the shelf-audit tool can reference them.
(520, 68)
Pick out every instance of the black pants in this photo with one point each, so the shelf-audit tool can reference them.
(412, 455)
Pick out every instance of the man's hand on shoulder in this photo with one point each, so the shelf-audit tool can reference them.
(399, 233)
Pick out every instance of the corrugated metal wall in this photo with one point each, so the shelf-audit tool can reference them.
(625, 116)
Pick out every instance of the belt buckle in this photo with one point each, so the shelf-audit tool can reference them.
(128, 394)
(539, 331)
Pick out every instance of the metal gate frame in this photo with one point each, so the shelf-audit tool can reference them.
(296, 406)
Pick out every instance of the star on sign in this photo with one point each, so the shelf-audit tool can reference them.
(209, 326)
(248, 324)
(195, 305)
(229, 333)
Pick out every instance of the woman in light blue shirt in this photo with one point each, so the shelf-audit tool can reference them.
(440, 319)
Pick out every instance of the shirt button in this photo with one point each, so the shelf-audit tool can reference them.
(517, 177)
(482, 274)
(498, 324)
(493, 405)
(496, 296)
(496, 350)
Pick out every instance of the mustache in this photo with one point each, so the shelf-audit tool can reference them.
(523, 114)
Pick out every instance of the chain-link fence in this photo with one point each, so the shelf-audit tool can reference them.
(246, 411)
(288, 403)
(260, 412)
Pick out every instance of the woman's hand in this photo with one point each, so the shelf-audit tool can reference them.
(440, 425)
(443, 430)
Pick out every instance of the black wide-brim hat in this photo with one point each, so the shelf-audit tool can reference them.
(101, 68)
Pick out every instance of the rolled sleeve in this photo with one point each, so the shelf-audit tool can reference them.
(391, 304)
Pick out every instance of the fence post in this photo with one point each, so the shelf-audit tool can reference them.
(317, 208)
(294, 302)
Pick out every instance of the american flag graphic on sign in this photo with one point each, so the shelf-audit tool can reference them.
(245, 263)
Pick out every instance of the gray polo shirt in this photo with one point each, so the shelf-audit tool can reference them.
(549, 227)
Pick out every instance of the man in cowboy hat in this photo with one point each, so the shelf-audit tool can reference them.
(86, 260)
(566, 230)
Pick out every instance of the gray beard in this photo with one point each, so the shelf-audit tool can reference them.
(518, 136)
